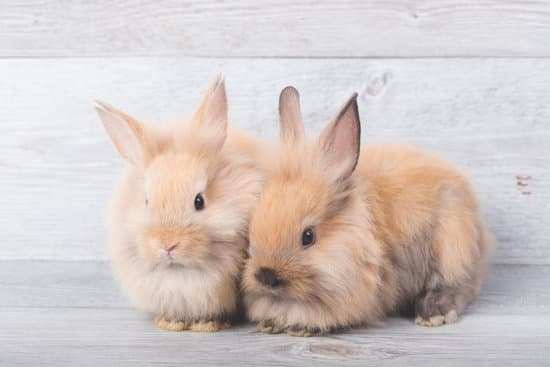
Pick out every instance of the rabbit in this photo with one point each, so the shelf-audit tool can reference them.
(344, 236)
(178, 220)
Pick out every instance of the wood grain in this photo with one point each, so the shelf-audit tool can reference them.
(488, 116)
(274, 28)
(63, 313)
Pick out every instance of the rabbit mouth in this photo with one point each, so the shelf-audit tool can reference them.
(260, 289)
(286, 293)
(282, 298)
(281, 294)
(170, 264)
(274, 292)
(174, 262)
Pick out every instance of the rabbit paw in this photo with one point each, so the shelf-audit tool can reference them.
(437, 320)
(304, 331)
(268, 327)
(170, 325)
(209, 326)
(436, 308)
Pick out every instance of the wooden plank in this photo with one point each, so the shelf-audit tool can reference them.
(68, 337)
(286, 28)
(509, 289)
(58, 285)
(56, 313)
(489, 116)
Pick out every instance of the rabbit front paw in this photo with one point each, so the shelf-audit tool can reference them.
(304, 331)
(170, 325)
(209, 326)
(269, 327)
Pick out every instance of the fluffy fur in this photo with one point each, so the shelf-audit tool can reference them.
(395, 229)
(194, 285)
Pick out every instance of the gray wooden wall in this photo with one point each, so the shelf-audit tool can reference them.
(466, 79)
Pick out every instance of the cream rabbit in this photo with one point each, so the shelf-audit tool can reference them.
(338, 240)
(179, 216)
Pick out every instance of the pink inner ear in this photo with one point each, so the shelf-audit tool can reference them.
(292, 128)
(341, 139)
(215, 116)
(344, 144)
(123, 137)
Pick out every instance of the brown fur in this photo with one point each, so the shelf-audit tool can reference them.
(196, 287)
(403, 228)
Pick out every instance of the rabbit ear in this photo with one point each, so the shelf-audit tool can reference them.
(341, 139)
(292, 128)
(125, 132)
(212, 115)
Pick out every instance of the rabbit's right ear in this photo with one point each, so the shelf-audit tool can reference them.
(292, 127)
(125, 132)
(212, 114)
(340, 141)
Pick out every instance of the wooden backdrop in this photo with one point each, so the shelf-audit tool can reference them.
(467, 79)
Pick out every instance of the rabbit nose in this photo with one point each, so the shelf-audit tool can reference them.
(170, 249)
(267, 277)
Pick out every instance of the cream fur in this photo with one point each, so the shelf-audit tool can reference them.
(153, 208)
(402, 228)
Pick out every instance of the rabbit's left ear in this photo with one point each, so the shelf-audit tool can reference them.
(290, 114)
(126, 133)
(340, 141)
(211, 115)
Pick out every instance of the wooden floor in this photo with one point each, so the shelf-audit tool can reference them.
(72, 314)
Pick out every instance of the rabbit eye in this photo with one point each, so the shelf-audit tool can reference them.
(199, 202)
(146, 201)
(308, 237)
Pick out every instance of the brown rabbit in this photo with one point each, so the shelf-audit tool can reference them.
(338, 241)
(179, 216)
